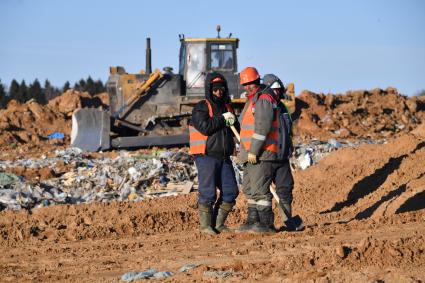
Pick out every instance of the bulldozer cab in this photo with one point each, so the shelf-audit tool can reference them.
(198, 56)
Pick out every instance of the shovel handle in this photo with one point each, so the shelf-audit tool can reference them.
(235, 132)
(273, 191)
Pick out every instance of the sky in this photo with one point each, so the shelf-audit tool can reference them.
(323, 46)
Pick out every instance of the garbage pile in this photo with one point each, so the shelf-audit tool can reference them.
(71, 176)
(126, 177)
(308, 154)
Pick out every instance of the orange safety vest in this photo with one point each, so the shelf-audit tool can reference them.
(247, 131)
(197, 140)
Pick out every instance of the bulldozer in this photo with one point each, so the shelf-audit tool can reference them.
(153, 108)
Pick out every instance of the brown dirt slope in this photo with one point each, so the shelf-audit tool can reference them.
(363, 207)
(372, 114)
(30, 123)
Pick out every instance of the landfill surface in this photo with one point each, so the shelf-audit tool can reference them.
(127, 215)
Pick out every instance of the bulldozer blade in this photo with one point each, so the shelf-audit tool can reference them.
(90, 129)
(146, 141)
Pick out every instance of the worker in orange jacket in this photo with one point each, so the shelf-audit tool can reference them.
(212, 144)
(264, 135)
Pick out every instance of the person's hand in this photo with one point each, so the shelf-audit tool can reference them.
(252, 158)
(230, 118)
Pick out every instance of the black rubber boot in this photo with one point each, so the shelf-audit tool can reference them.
(222, 214)
(205, 217)
(266, 221)
(251, 221)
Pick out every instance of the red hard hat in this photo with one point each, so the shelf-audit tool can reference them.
(217, 80)
(248, 75)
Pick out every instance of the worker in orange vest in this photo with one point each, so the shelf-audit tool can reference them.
(263, 147)
(212, 143)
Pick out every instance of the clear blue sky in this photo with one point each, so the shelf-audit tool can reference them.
(324, 46)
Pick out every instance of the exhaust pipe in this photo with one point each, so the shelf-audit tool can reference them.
(148, 56)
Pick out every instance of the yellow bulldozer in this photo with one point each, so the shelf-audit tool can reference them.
(153, 108)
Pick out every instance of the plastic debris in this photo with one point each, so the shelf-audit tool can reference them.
(306, 155)
(188, 267)
(123, 178)
(163, 274)
(304, 160)
(334, 143)
(126, 177)
(8, 179)
(133, 276)
(56, 135)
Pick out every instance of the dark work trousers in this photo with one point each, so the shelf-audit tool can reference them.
(215, 174)
(257, 179)
(284, 181)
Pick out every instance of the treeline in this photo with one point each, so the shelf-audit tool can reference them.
(42, 94)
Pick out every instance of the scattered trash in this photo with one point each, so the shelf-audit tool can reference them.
(126, 177)
(334, 143)
(133, 276)
(306, 155)
(56, 135)
(304, 160)
(8, 179)
(163, 274)
(188, 267)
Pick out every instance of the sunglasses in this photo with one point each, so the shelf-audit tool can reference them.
(216, 88)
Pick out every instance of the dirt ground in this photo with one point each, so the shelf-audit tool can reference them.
(363, 209)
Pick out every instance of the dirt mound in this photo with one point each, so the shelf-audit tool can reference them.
(71, 100)
(372, 114)
(31, 123)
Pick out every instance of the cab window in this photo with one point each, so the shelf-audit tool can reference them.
(221, 56)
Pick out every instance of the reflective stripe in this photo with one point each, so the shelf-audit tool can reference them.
(258, 137)
(264, 203)
(251, 201)
(248, 127)
(196, 142)
(252, 127)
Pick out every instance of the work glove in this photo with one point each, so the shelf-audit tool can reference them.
(230, 118)
(252, 158)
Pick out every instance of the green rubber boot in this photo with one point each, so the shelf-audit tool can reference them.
(205, 217)
(222, 214)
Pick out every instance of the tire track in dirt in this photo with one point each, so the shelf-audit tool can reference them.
(354, 183)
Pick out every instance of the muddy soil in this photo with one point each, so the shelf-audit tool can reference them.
(363, 209)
